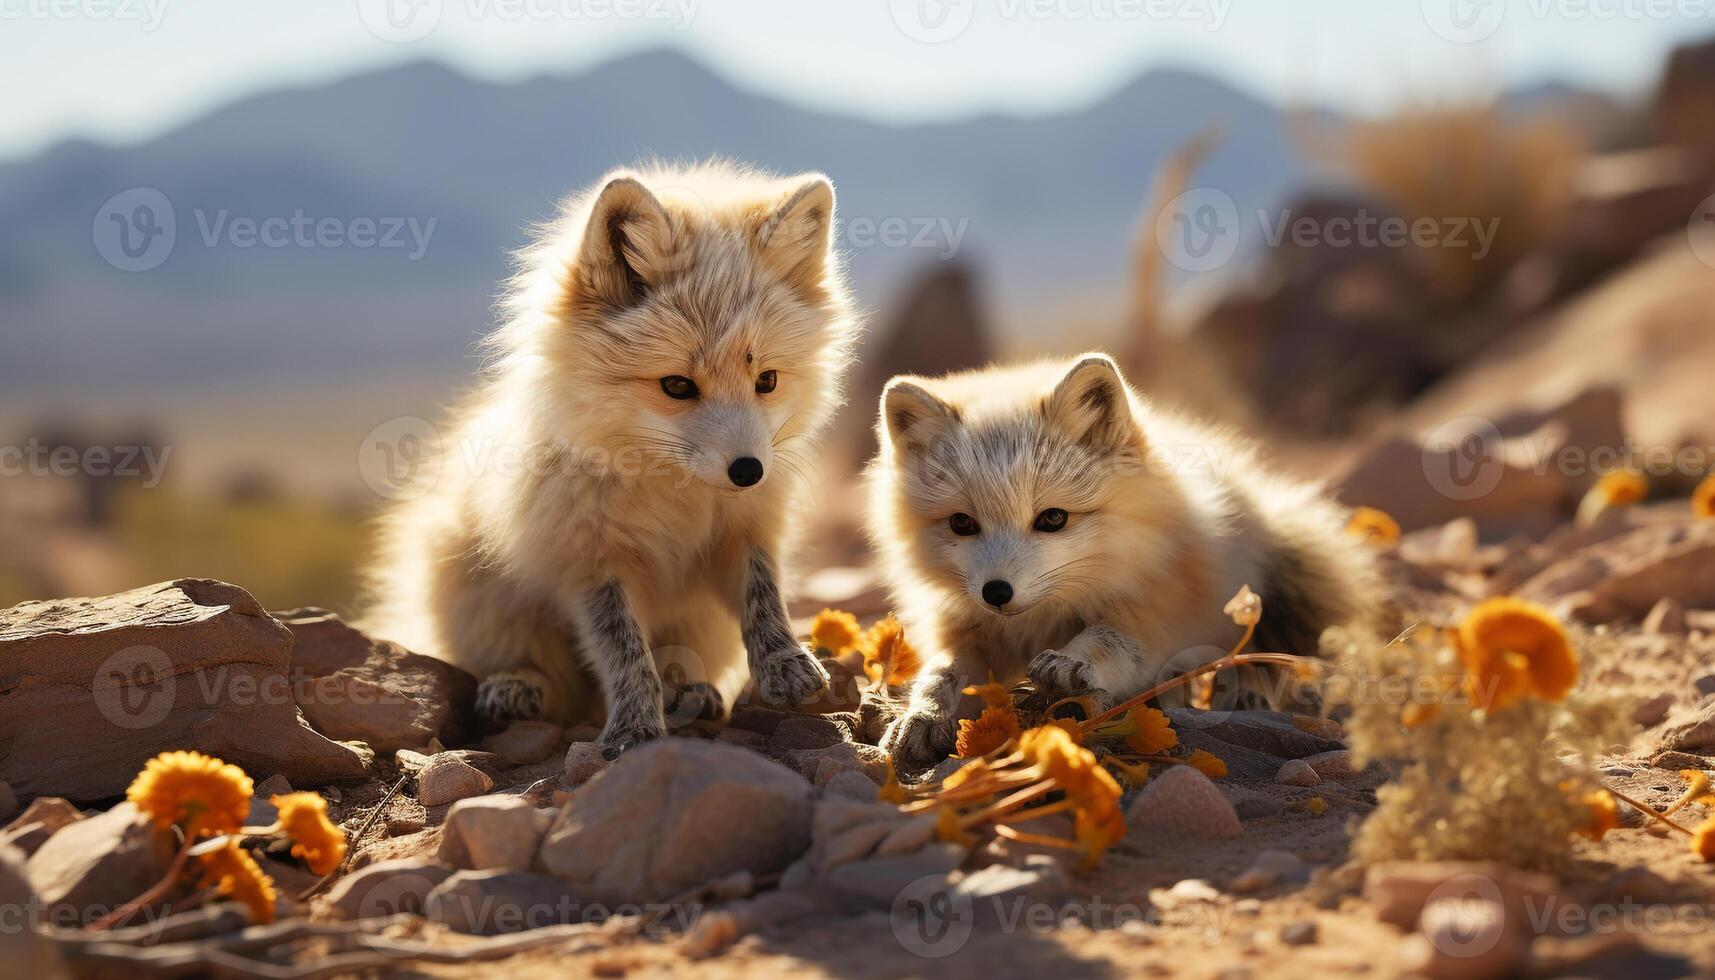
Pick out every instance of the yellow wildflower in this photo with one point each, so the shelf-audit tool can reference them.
(1417, 714)
(1207, 763)
(235, 874)
(835, 631)
(315, 840)
(1073, 730)
(1620, 488)
(201, 794)
(1316, 806)
(1703, 842)
(1374, 526)
(1696, 787)
(885, 649)
(1604, 814)
(1513, 649)
(991, 730)
(1092, 789)
(1703, 499)
(1154, 734)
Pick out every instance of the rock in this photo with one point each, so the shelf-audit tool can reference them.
(1468, 939)
(90, 689)
(38, 822)
(881, 880)
(1252, 805)
(583, 760)
(1188, 891)
(492, 832)
(1334, 767)
(358, 688)
(1705, 685)
(1399, 890)
(1183, 802)
(799, 732)
(262, 812)
(1647, 566)
(995, 894)
(100, 862)
(1667, 617)
(1675, 762)
(676, 813)
(488, 903)
(1451, 546)
(8, 802)
(821, 765)
(1266, 870)
(1694, 735)
(386, 888)
(23, 950)
(444, 779)
(852, 785)
(1652, 711)
(1297, 772)
(525, 742)
(1300, 933)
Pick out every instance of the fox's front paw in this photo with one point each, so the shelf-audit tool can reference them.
(920, 739)
(625, 732)
(789, 677)
(1057, 671)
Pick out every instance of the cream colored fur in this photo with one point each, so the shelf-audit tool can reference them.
(568, 467)
(1168, 520)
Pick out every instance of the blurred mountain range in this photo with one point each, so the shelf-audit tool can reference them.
(452, 170)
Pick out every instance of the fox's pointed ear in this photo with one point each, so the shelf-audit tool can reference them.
(627, 246)
(796, 239)
(912, 417)
(1091, 403)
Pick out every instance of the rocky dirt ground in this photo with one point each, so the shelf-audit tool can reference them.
(760, 846)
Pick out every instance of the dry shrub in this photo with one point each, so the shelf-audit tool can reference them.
(1511, 784)
(1470, 161)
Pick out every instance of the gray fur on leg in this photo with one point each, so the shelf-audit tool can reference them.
(783, 670)
(620, 658)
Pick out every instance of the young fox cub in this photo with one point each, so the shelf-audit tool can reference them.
(1042, 520)
(613, 502)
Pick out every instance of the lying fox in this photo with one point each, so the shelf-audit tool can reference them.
(673, 346)
(1045, 521)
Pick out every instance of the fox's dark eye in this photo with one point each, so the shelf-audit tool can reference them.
(678, 386)
(1050, 520)
(766, 381)
(964, 525)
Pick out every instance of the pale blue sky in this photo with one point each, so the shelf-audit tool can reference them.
(127, 69)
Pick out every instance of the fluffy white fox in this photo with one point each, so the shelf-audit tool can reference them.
(615, 495)
(1044, 521)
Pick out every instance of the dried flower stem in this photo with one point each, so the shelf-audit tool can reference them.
(1230, 660)
(1025, 837)
(152, 895)
(1648, 811)
(999, 807)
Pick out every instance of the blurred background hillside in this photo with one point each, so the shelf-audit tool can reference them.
(1351, 231)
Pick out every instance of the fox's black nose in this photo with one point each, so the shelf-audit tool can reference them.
(997, 593)
(745, 471)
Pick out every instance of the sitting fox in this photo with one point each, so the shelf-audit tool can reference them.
(620, 486)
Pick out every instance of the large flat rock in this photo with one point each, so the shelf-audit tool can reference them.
(90, 689)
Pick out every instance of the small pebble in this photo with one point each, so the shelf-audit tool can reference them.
(1301, 933)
